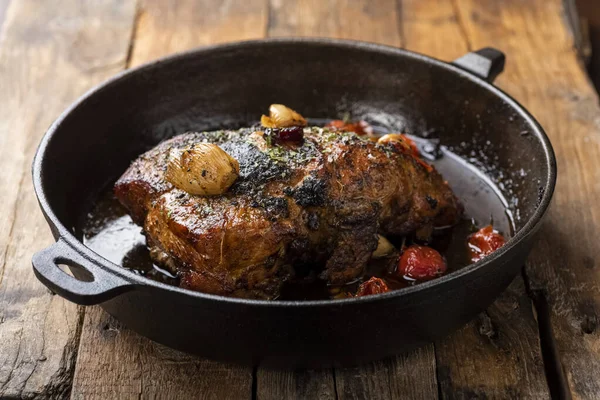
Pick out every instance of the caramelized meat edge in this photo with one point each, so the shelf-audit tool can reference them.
(321, 203)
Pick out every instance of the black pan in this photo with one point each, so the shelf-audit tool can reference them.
(94, 141)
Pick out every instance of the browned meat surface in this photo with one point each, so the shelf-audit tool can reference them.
(319, 203)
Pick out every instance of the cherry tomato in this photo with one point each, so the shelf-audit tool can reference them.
(484, 242)
(405, 145)
(413, 146)
(372, 286)
(360, 127)
(421, 263)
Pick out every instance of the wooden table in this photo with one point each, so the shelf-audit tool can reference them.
(540, 337)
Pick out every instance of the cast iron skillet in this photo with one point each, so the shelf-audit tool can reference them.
(94, 141)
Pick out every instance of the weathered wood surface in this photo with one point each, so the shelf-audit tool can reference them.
(46, 65)
(165, 27)
(372, 21)
(546, 75)
(495, 356)
(49, 55)
(295, 385)
(3, 7)
(116, 362)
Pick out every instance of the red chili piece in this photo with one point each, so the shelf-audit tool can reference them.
(421, 263)
(484, 242)
(372, 286)
(293, 134)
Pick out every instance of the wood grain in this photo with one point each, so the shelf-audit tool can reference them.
(295, 385)
(497, 355)
(545, 74)
(165, 27)
(489, 357)
(432, 27)
(44, 67)
(3, 7)
(373, 21)
(410, 376)
(116, 362)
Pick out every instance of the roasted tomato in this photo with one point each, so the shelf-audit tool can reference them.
(406, 145)
(401, 142)
(372, 286)
(413, 146)
(361, 128)
(421, 263)
(484, 242)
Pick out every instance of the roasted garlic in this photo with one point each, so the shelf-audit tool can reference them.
(384, 248)
(202, 169)
(281, 116)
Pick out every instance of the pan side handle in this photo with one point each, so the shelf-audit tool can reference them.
(91, 284)
(486, 63)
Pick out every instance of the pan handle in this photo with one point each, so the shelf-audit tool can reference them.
(93, 284)
(486, 63)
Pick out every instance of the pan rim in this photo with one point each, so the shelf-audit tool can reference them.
(136, 280)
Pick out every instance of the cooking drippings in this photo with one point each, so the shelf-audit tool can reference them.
(450, 242)
(109, 231)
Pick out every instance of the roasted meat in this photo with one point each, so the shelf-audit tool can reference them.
(318, 202)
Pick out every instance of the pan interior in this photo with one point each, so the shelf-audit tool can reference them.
(229, 87)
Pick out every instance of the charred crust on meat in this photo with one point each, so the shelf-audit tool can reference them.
(277, 206)
(312, 192)
(319, 204)
(256, 167)
(431, 201)
(312, 221)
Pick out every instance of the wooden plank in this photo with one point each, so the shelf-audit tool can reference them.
(372, 21)
(496, 356)
(431, 27)
(123, 364)
(166, 27)
(295, 385)
(45, 66)
(545, 74)
(114, 362)
(489, 357)
(3, 7)
(409, 376)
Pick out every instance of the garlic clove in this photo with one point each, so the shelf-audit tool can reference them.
(281, 116)
(384, 248)
(202, 169)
